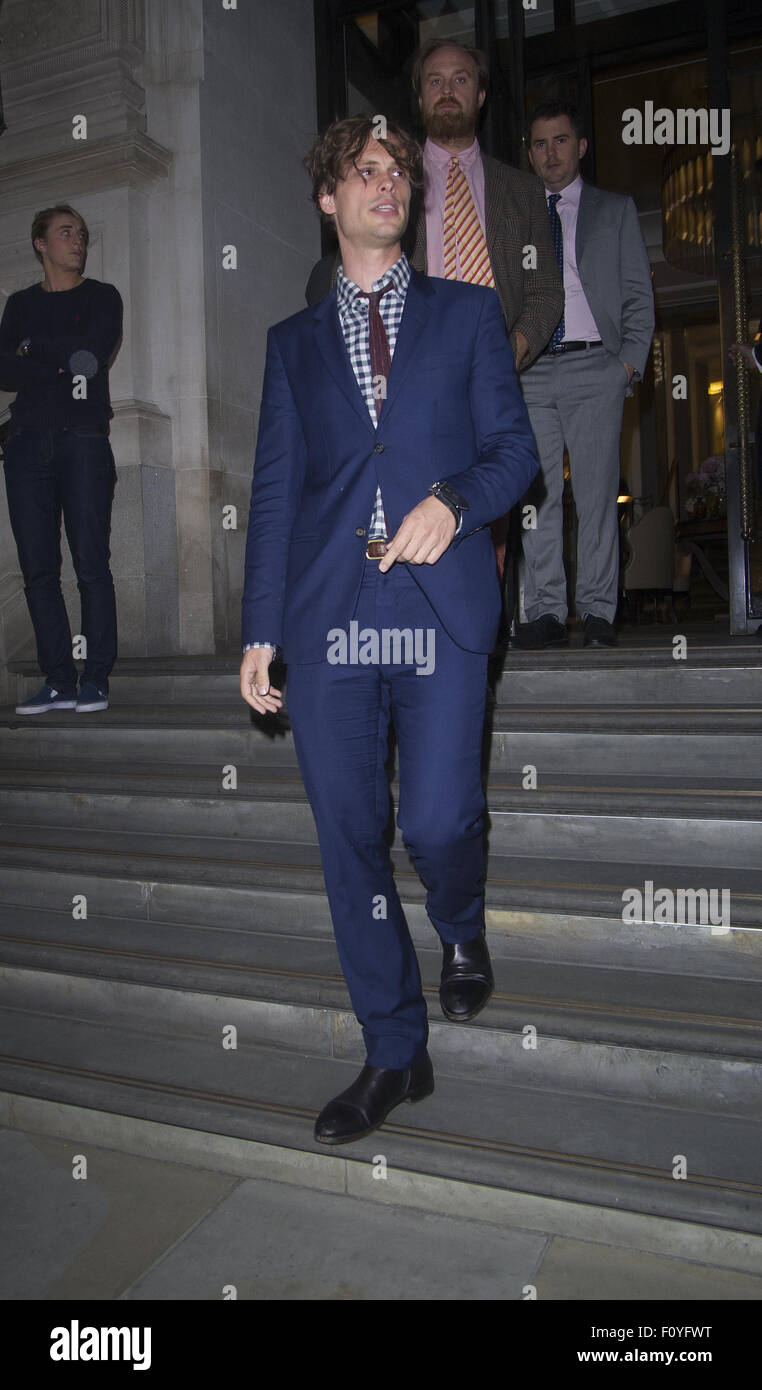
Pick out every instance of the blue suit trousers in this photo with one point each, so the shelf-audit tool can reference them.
(340, 716)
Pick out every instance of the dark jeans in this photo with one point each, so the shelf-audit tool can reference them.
(69, 473)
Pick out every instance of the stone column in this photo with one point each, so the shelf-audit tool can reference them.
(257, 122)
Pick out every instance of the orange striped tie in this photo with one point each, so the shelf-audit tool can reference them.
(465, 247)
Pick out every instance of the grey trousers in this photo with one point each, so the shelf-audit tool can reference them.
(574, 399)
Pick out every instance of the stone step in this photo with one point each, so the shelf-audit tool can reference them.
(206, 907)
(561, 1142)
(629, 720)
(49, 956)
(628, 754)
(722, 840)
(531, 933)
(191, 737)
(624, 719)
(183, 736)
(641, 675)
(142, 682)
(577, 884)
(561, 792)
(679, 683)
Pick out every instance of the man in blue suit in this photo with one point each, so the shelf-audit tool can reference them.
(392, 432)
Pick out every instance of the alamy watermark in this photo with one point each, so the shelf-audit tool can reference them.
(680, 907)
(684, 126)
(387, 646)
(75, 1343)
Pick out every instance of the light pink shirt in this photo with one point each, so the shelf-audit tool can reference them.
(436, 163)
(579, 324)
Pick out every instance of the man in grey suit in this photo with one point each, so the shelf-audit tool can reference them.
(575, 390)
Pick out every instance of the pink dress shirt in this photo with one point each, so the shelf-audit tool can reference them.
(436, 163)
(579, 324)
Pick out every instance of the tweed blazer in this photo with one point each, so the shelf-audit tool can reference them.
(516, 217)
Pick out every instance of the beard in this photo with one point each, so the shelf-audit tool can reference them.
(451, 124)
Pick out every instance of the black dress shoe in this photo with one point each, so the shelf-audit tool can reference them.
(466, 982)
(367, 1102)
(547, 631)
(597, 632)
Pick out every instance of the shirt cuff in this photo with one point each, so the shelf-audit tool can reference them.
(250, 645)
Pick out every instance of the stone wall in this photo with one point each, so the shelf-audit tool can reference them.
(257, 122)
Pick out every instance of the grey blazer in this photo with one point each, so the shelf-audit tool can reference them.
(615, 272)
(516, 216)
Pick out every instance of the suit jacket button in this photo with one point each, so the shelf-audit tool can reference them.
(379, 448)
(359, 530)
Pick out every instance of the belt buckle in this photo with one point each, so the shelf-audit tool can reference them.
(380, 550)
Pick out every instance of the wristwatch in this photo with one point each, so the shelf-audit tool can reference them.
(452, 499)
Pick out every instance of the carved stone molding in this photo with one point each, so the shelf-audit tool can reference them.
(132, 160)
(38, 37)
(40, 115)
(129, 407)
(30, 27)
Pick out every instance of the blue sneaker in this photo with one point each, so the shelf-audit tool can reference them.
(47, 698)
(91, 698)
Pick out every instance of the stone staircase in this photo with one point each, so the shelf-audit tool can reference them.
(616, 1054)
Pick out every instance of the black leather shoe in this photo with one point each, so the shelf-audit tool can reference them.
(547, 631)
(597, 632)
(367, 1102)
(467, 981)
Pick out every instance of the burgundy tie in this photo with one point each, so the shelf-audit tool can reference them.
(380, 356)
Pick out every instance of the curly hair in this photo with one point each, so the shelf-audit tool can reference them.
(342, 143)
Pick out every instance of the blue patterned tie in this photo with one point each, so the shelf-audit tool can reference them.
(557, 233)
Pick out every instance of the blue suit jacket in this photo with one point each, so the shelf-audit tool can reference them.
(453, 411)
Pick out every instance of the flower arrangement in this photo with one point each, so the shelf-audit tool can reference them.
(706, 490)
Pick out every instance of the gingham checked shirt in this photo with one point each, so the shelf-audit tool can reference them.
(353, 310)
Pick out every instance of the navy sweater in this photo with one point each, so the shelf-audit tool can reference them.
(78, 330)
